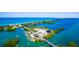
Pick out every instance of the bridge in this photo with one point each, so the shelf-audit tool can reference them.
(49, 43)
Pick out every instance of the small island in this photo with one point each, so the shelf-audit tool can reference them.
(35, 33)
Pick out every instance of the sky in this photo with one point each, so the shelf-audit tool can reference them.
(39, 14)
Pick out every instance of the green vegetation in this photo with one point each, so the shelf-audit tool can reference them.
(38, 41)
(69, 44)
(55, 31)
(11, 28)
(40, 22)
(46, 22)
(33, 30)
(72, 44)
(48, 36)
(25, 29)
(11, 42)
(58, 30)
(1, 29)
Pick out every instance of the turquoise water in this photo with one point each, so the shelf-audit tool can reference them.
(4, 36)
(69, 35)
(67, 23)
(7, 21)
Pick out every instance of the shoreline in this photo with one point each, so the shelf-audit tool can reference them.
(5, 25)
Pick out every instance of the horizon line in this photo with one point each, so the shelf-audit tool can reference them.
(39, 14)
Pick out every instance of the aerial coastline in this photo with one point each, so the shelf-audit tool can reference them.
(34, 33)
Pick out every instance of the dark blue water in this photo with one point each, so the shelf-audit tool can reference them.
(66, 23)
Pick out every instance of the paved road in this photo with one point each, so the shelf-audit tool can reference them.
(49, 43)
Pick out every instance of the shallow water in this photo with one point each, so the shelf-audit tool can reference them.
(69, 35)
(7, 21)
(66, 23)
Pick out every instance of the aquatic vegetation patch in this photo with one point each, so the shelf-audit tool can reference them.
(72, 44)
(11, 42)
(68, 37)
(42, 33)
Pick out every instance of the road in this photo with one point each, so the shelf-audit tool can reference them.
(49, 43)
